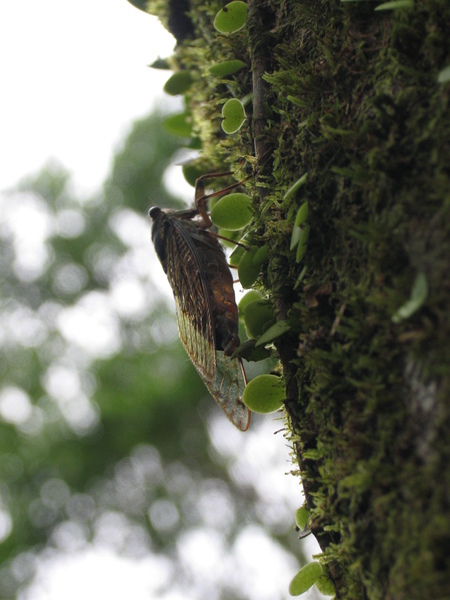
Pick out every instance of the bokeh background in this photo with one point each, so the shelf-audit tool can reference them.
(118, 473)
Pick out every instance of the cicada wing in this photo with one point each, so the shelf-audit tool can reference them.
(227, 388)
(200, 348)
(194, 317)
(224, 377)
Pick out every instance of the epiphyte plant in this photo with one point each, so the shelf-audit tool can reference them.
(231, 17)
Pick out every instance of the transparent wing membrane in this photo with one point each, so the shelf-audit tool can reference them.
(227, 388)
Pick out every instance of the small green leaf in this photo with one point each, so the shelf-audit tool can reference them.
(297, 230)
(262, 255)
(179, 124)
(231, 18)
(233, 211)
(302, 214)
(141, 4)
(297, 185)
(191, 172)
(301, 517)
(313, 454)
(418, 296)
(160, 63)
(302, 243)
(301, 251)
(234, 116)
(325, 586)
(228, 237)
(395, 4)
(295, 100)
(264, 394)
(258, 316)
(247, 270)
(178, 83)
(274, 332)
(305, 578)
(247, 99)
(236, 255)
(300, 277)
(227, 67)
(250, 296)
(444, 75)
(248, 351)
(295, 236)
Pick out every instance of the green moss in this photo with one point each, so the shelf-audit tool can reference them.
(353, 99)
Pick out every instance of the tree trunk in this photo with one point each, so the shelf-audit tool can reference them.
(357, 99)
(361, 110)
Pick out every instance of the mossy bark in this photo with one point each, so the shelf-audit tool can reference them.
(352, 97)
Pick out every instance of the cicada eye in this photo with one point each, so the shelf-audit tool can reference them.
(154, 212)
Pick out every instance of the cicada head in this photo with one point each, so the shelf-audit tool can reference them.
(159, 233)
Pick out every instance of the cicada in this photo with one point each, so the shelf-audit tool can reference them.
(202, 284)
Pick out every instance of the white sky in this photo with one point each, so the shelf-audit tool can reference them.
(74, 76)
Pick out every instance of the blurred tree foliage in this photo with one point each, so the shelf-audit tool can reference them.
(99, 422)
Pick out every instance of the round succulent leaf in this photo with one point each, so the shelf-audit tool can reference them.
(301, 517)
(262, 255)
(264, 394)
(305, 578)
(325, 586)
(275, 331)
(231, 18)
(250, 296)
(227, 67)
(212, 202)
(232, 212)
(233, 113)
(248, 272)
(236, 255)
(178, 83)
(258, 316)
(191, 172)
